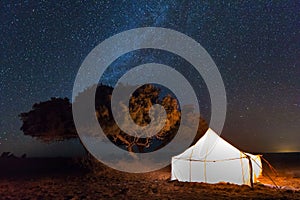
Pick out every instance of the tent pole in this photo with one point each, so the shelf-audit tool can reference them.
(251, 170)
(190, 171)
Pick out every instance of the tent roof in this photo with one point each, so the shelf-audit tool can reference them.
(211, 147)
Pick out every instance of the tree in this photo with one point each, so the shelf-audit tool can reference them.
(49, 121)
(140, 103)
(53, 121)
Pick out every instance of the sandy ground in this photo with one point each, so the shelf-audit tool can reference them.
(110, 184)
(57, 179)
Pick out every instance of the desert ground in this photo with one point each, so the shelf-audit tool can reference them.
(62, 178)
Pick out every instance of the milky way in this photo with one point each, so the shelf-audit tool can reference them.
(256, 47)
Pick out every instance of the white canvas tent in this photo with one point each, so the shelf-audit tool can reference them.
(213, 160)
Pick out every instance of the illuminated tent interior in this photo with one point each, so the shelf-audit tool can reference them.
(213, 160)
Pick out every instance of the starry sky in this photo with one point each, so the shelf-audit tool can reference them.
(256, 47)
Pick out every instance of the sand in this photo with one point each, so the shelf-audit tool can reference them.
(110, 184)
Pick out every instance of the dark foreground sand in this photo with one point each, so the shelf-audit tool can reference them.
(75, 183)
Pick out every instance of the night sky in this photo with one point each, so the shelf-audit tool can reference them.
(256, 47)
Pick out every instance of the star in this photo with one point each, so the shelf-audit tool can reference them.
(255, 46)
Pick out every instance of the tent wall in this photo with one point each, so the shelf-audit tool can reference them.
(235, 171)
(180, 170)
